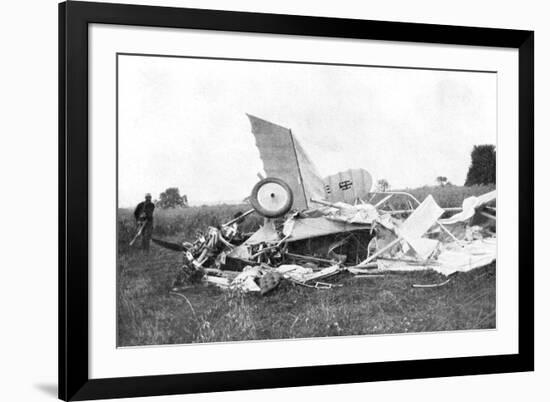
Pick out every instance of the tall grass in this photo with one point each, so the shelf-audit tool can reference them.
(361, 306)
(449, 196)
(184, 223)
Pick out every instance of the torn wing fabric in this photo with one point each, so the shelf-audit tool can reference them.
(266, 234)
(453, 258)
(423, 247)
(283, 157)
(475, 254)
(469, 206)
(418, 223)
(307, 228)
(300, 229)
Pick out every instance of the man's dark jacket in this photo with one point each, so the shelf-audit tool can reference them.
(144, 210)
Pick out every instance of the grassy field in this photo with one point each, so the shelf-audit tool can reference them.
(149, 314)
(447, 196)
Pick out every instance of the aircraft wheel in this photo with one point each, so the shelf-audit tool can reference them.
(271, 197)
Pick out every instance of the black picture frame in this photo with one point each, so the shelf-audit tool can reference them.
(74, 381)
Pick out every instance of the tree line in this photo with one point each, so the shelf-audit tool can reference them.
(482, 170)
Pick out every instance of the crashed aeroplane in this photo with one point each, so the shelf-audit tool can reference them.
(294, 188)
(317, 227)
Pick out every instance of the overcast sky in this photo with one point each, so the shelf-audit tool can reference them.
(182, 122)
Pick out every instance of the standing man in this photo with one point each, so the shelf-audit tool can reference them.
(144, 216)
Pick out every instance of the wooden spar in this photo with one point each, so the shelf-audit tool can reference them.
(370, 276)
(220, 238)
(213, 271)
(322, 202)
(381, 251)
(243, 260)
(485, 214)
(318, 285)
(397, 192)
(435, 285)
(399, 211)
(448, 232)
(309, 258)
(232, 221)
(404, 211)
(299, 168)
(220, 282)
(263, 250)
(332, 270)
(364, 270)
(329, 204)
(382, 201)
(410, 262)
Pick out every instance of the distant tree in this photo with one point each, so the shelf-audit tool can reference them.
(382, 185)
(483, 166)
(442, 180)
(171, 198)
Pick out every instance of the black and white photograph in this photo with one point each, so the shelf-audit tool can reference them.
(275, 201)
(269, 199)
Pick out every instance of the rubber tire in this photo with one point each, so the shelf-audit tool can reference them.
(267, 213)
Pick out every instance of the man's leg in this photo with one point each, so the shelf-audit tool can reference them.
(146, 236)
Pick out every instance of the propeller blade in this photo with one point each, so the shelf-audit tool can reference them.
(169, 245)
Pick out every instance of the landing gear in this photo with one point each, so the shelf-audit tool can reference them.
(271, 197)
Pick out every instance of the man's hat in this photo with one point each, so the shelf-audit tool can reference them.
(148, 195)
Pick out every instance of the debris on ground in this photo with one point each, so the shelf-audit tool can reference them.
(363, 240)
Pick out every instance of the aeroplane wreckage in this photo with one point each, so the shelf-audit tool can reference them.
(315, 228)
